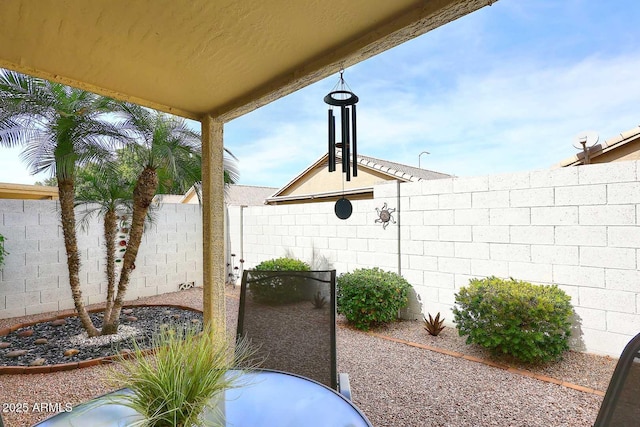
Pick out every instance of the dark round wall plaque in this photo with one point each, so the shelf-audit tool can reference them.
(343, 208)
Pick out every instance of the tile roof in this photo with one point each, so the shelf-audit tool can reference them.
(391, 169)
(247, 195)
(400, 170)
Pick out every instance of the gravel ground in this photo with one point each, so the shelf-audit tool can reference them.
(393, 384)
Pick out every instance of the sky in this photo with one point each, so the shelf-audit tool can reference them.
(504, 89)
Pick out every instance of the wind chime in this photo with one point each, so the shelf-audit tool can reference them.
(346, 100)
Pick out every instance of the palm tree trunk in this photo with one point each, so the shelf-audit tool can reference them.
(145, 189)
(66, 194)
(110, 232)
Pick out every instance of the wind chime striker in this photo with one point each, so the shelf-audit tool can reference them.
(346, 100)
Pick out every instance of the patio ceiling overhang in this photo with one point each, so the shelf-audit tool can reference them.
(193, 58)
(207, 60)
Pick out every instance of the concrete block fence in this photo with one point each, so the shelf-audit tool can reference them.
(575, 227)
(35, 277)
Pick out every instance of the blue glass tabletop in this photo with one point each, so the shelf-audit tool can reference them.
(265, 398)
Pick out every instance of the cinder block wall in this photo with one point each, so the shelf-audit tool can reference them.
(576, 227)
(35, 277)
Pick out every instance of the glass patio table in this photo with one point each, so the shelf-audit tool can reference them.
(266, 398)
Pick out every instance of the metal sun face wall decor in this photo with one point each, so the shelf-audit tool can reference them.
(384, 216)
(346, 100)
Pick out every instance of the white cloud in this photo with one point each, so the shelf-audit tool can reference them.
(504, 89)
(517, 115)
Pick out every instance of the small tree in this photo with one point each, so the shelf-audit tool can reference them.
(63, 129)
(60, 128)
(170, 155)
(104, 192)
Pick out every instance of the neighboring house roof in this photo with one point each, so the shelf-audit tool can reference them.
(315, 184)
(30, 192)
(410, 173)
(625, 146)
(235, 195)
(248, 195)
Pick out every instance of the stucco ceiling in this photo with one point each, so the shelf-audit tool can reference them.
(196, 57)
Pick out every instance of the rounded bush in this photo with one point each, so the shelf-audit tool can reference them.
(279, 289)
(529, 322)
(369, 296)
(283, 264)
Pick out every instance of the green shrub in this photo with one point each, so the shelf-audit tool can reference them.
(530, 322)
(3, 251)
(368, 297)
(279, 290)
(283, 264)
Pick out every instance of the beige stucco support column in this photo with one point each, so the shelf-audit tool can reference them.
(213, 222)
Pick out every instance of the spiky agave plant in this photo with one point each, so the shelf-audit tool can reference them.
(434, 326)
(319, 301)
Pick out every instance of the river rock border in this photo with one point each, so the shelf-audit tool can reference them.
(10, 370)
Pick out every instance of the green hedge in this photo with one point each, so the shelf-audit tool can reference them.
(279, 290)
(368, 297)
(530, 322)
(283, 264)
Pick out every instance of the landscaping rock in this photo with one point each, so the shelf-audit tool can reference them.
(70, 336)
(37, 362)
(71, 352)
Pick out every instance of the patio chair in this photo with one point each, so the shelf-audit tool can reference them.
(621, 404)
(290, 318)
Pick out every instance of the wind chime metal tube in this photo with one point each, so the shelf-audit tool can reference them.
(344, 113)
(348, 133)
(332, 141)
(355, 140)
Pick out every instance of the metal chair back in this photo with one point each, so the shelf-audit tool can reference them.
(290, 317)
(621, 404)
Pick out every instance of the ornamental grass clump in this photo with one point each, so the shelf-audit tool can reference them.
(529, 322)
(370, 296)
(183, 377)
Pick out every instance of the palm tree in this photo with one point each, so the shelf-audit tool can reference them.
(60, 128)
(103, 191)
(170, 156)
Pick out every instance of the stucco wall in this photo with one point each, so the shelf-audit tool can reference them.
(35, 277)
(576, 227)
(320, 180)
